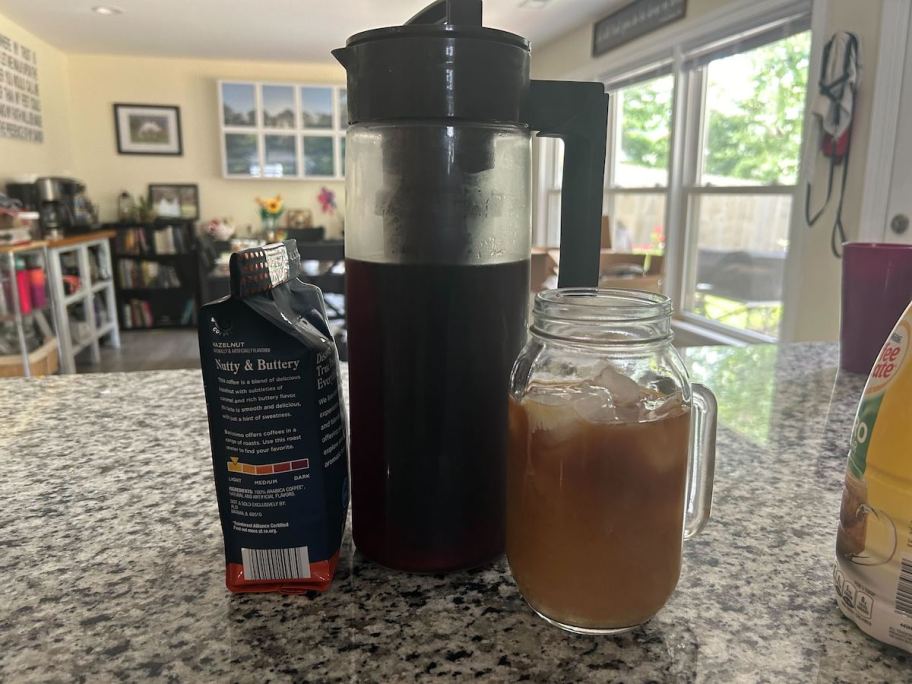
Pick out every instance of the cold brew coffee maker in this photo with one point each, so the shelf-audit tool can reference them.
(437, 244)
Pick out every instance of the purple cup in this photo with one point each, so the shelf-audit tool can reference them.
(876, 288)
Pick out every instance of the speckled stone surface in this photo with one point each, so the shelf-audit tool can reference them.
(112, 566)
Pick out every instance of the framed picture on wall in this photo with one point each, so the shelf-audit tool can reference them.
(170, 200)
(148, 129)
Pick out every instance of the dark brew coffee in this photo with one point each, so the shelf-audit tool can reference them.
(430, 353)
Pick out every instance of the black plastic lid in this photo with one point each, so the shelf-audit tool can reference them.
(442, 64)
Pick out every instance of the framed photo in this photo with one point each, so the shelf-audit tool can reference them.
(179, 201)
(148, 129)
(299, 218)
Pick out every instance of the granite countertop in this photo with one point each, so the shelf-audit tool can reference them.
(113, 568)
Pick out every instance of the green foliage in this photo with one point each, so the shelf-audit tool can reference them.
(755, 137)
(746, 400)
(760, 139)
(646, 117)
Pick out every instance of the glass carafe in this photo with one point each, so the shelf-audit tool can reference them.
(437, 246)
(611, 461)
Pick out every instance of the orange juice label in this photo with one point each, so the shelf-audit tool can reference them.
(873, 569)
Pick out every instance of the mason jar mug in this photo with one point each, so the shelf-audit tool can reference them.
(610, 461)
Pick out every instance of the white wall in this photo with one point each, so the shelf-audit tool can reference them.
(54, 154)
(814, 297)
(99, 81)
(817, 289)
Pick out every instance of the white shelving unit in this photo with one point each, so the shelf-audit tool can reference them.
(11, 309)
(103, 289)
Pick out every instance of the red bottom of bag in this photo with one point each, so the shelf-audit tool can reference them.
(321, 576)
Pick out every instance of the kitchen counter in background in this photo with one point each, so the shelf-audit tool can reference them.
(112, 559)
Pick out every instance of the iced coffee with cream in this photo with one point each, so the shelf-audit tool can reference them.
(595, 502)
(610, 461)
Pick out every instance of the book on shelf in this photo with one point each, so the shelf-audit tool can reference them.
(132, 241)
(187, 315)
(138, 313)
(147, 274)
(164, 240)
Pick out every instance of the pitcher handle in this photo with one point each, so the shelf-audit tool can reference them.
(577, 113)
(702, 464)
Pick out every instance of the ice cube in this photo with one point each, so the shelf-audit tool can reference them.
(624, 390)
(659, 406)
(550, 411)
(594, 404)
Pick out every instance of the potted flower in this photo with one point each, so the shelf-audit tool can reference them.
(271, 209)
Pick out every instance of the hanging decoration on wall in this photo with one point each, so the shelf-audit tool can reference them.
(633, 20)
(833, 111)
(327, 199)
(20, 103)
(148, 129)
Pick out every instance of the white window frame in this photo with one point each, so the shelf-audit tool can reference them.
(611, 189)
(621, 68)
(336, 132)
(693, 121)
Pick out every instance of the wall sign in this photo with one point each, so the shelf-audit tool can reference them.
(20, 102)
(634, 20)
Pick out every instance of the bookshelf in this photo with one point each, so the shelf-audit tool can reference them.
(156, 274)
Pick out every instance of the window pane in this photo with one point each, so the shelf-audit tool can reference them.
(241, 156)
(318, 156)
(316, 107)
(552, 238)
(637, 222)
(342, 153)
(281, 158)
(278, 106)
(557, 171)
(742, 241)
(643, 125)
(754, 114)
(343, 108)
(238, 104)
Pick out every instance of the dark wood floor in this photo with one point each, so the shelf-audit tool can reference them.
(143, 350)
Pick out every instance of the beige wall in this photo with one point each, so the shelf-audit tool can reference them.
(98, 81)
(54, 154)
(572, 52)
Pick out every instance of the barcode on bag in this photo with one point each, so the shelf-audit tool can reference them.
(904, 588)
(276, 564)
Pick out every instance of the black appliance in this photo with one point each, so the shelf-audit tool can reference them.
(61, 202)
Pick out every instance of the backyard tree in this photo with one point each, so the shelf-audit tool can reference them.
(753, 130)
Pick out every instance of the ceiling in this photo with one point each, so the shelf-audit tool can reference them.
(284, 30)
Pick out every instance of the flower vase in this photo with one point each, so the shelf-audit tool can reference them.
(270, 222)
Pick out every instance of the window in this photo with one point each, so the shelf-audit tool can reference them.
(746, 121)
(636, 184)
(279, 130)
(636, 170)
(701, 167)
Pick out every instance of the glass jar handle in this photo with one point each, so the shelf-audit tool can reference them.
(702, 463)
